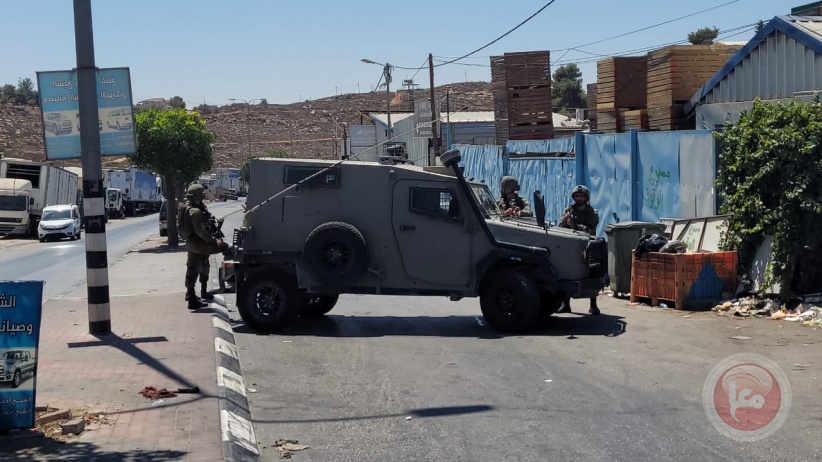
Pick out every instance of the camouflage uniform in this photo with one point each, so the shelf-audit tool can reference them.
(200, 244)
(585, 218)
(510, 184)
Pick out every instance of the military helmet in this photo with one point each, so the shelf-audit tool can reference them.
(196, 189)
(509, 183)
(581, 189)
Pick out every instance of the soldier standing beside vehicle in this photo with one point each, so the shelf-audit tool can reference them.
(200, 244)
(510, 202)
(580, 216)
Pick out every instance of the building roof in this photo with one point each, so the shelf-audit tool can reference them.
(806, 30)
(382, 117)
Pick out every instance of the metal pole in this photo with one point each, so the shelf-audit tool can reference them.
(99, 308)
(248, 127)
(387, 72)
(434, 132)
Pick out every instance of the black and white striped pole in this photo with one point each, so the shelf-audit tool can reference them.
(99, 309)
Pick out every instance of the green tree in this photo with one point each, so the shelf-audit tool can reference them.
(245, 171)
(26, 95)
(176, 145)
(759, 26)
(770, 175)
(8, 94)
(177, 103)
(704, 36)
(566, 88)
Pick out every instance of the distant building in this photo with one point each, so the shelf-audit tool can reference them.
(157, 103)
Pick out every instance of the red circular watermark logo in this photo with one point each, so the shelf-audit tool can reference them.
(747, 397)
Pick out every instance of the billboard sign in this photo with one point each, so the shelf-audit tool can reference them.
(422, 119)
(60, 112)
(21, 304)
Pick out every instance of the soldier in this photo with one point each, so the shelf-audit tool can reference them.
(200, 244)
(510, 202)
(580, 216)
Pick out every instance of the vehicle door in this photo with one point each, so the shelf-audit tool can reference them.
(431, 232)
(75, 216)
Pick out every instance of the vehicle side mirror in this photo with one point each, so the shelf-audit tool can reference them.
(539, 207)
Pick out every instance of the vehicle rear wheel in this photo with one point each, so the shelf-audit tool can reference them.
(510, 300)
(15, 381)
(163, 232)
(316, 305)
(335, 253)
(270, 302)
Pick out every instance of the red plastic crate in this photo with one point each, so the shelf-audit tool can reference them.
(691, 281)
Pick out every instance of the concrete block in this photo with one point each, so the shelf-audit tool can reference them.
(53, 416)
(75, 426)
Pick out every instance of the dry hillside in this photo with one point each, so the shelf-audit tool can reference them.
(305, 129)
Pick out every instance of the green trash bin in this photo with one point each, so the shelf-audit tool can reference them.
(622, 239)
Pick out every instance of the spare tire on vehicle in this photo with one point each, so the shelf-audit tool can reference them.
(335, 253)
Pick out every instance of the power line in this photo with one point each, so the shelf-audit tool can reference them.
(500, 37)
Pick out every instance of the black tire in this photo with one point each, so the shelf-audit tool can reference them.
(163, 232)
(270, 303)
(335, 253)
(550, 303)
(510, 301)
(316, 305)
(15, 381)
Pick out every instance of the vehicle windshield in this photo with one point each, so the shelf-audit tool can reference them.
(10, 355)
(13, 203)
(486, 200)
(56, 214)
(112, 195)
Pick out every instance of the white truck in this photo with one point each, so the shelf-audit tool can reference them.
(25, 188)
(114, 203)
(140, 191)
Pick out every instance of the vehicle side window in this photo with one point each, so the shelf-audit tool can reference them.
(434, 202)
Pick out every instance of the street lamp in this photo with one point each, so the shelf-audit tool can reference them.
(386, 72)
(247, 120)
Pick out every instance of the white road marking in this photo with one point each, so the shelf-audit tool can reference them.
(232, 424)
(226, 348)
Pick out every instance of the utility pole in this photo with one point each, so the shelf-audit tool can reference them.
(345, 141)
(387, 74)
(99, 303)
(434, 132)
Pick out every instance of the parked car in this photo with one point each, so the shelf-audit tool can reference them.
(57, 123)
(59, 221)
(119, 119)
(163, 218)
(14, 365)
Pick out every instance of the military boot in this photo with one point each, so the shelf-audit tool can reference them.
(194, 303)
(205, 294)
(594, 309)
(565, 307)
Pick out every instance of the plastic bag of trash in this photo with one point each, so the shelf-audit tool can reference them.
(674, 247)
(651, 243)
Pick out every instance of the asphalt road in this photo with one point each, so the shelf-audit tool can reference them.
(415, 378)
(62, 264)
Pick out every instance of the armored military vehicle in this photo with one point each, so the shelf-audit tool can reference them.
(316, 229)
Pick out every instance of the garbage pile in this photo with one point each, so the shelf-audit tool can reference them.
(807, 310)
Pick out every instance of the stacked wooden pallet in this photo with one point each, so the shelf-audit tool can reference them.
(592, 105)
(675, 74)
(521, 87)
(633, 120)
(621, 85)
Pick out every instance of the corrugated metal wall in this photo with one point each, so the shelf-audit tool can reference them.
(775, 69)
(632, 176)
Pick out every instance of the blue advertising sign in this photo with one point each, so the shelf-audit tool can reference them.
(60, 107)
(21, 305)
(233, 173)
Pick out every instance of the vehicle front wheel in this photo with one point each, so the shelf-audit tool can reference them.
(509, 300)
(15, 381)
(270, 303)
(316, 305)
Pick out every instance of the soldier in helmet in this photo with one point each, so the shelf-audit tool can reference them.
(580, 216)
(200, 244)
(510, 202)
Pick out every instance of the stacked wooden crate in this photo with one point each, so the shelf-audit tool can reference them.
(499, 94)
(675, 74)
(521, 87)
(621, 87)
(592, 105)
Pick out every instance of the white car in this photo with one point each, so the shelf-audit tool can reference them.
(59, 221)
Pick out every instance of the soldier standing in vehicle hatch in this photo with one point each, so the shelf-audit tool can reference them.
(200, 244)
(580, 216)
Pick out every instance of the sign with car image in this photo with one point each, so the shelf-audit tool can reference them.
(60, 106)
(21, 305)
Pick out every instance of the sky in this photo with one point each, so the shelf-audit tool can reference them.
(210, 51)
